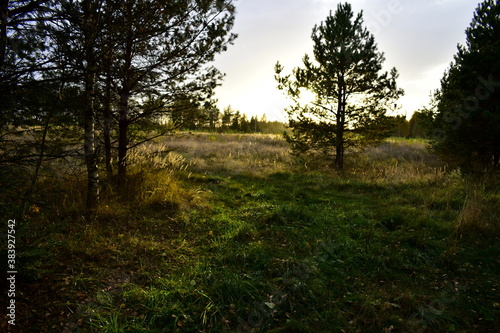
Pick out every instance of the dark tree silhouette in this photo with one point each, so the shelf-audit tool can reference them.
(468, 108)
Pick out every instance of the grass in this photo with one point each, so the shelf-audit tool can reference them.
(228, 233)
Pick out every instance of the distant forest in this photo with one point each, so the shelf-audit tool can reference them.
(211, 119)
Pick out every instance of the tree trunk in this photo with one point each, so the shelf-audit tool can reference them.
(89, 112)
(339, 151)
(122, 138)
(339, 144)
(89, 147)
(107, 129)
(107, 147)
(123, 110)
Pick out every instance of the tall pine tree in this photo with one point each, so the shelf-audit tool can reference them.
(468, 108)
(351, 93)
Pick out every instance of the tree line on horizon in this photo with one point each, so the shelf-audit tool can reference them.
(210, 118)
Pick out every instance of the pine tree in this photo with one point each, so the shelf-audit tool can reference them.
(226, 118)
(244, 124)
(420, 124)
(254, 124)
(163, 48)
(351, 95)
(468, 104)
(235, 121)
(212, 113)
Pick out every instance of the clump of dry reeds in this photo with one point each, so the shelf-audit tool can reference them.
(480, 212)
(157, 156)
(152, 179)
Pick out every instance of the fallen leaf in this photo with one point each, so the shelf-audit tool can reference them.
(270, 305)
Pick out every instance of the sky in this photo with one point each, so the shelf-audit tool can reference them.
(418, 37)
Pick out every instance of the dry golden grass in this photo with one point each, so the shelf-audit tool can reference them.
(156, 156)
(151, 180)
(480, 213)
(262, 154)
(257, 154)
(394, 161)
(397, 161)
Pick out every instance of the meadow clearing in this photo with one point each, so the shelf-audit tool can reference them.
(231, 233)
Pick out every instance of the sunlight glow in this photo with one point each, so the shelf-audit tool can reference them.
(307, 97)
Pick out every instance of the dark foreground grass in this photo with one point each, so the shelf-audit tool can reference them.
(290, 251)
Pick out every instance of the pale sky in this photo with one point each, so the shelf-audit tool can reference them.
(418, 37)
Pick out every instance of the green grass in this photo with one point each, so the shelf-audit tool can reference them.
(207, 248)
